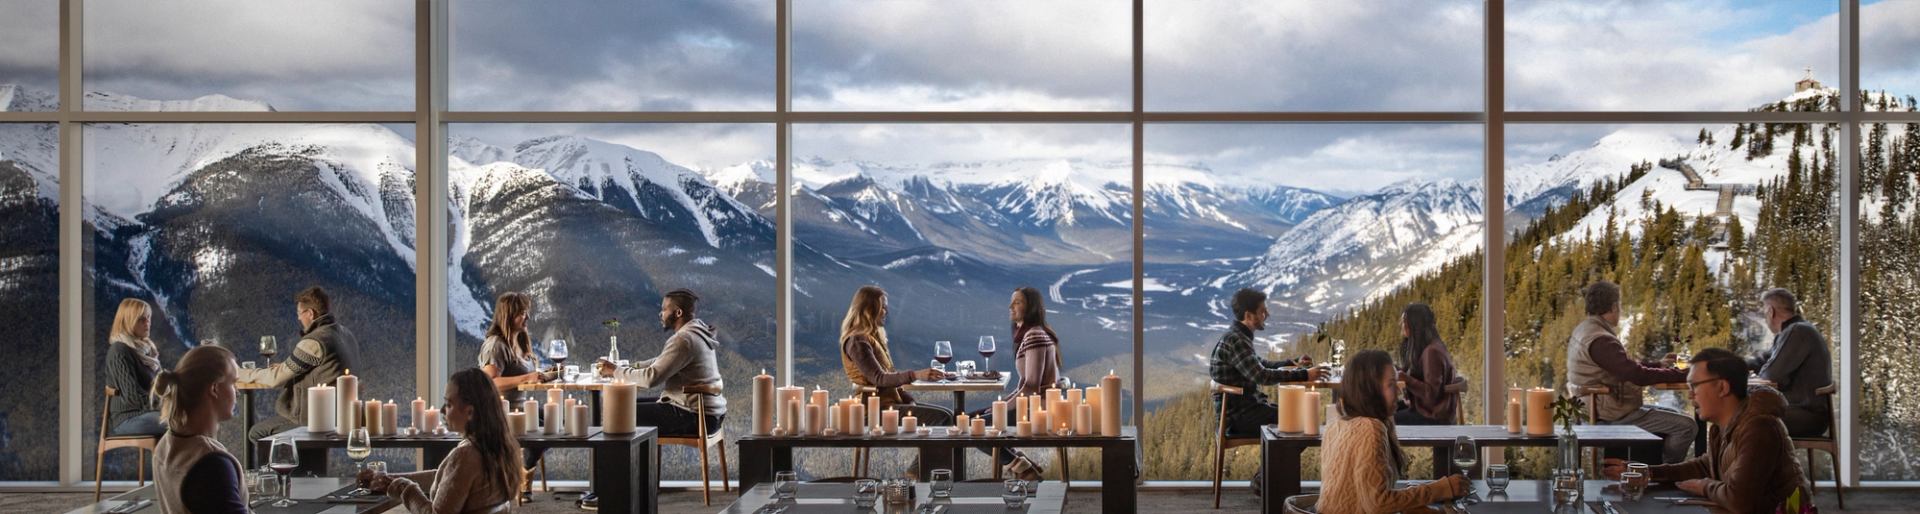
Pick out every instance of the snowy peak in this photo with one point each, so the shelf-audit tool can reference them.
(736, 178)
(98, 101)
(477, 152)
(1369, 244)
(17, 98)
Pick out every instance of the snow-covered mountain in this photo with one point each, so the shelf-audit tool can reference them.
(1368, 244)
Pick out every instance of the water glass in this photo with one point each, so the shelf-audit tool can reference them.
(785, 485)
(1014, 492)
(1632, 485)
(378, 467)
(865, 492)
(1566, 488)
(942, 484)
(266, 484)
(248, 365)
(1497, 478)
(572, 372)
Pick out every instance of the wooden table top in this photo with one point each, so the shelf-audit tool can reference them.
(250, 386)
(588, 385)
(966, 386)
(1433, 435)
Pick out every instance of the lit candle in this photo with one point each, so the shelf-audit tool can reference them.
(1290, 399)
(979, 427)
(552, 426)
(908, 424)
(810, 419)
(1075, 396)
(1513, 415)
(1024, 428)
(320, 418)
(1000, 415)
(1110, 407)
(1094, 399)
(532, 408)
(578, 419)
(763, 404)
(1020, 407)
(1310, 411)
(390, 414)
(516, 423)
(819, 398)
(556, 395)
(857, 418)
(1539, 411)
(353, 415)
(890, 421)
(788, 420)
(790, 417)
(347, 387)
(1040, 422)
(960, 421)
(873, 411)
(372, 418)
(419, 415)
(1083, 419)
(433, 421)
(617, 407)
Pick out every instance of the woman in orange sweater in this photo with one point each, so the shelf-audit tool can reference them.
(1361, 459)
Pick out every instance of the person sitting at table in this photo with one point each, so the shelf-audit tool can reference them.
(326, 350)
(1037, 358)
(687, 359)
(1361, 458)
(1235, 363)
(868, 362)
(481, 474)
(1748, 465)
(1797, 364)
(1429, 369)
(132, 362)
(507, 358)
(192, 471)
(1596, 357)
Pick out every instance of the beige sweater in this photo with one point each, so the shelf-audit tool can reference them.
(1357, 474)
(458, 487)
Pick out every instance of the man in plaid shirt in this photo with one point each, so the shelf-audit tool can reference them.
(1236, 363)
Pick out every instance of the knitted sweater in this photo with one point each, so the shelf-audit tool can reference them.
(1357, 474)
(459, 486)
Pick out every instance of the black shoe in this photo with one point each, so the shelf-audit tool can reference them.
(588, 501)
(526, 497)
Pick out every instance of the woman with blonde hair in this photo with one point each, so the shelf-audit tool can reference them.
(481, 474)
(132, 362)
(192, 471)
(869, 363)
(507, 354)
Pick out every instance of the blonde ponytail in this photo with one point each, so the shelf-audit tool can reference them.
(180, 390)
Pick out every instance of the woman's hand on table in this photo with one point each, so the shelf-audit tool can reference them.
(930, 374)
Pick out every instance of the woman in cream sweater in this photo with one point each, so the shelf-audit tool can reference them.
(482, 474)
(1361, 457)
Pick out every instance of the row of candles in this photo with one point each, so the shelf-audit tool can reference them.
(781, 411)
(1300, 411)
(562, 415)
(338, 408)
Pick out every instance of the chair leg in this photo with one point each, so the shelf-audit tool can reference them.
(724, 485)
(1813, 486)
(1219, 467)
(99, 465)
(993, 456)
(1839, 492)
(1065, 478)
(706, 484)
(543, 476)
(140, 466)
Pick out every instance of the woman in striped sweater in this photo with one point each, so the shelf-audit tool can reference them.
(132, 362)
(1036, 356)
(1361, 459)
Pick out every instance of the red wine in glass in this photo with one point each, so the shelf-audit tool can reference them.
(944, 359)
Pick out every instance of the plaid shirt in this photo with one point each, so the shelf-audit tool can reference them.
(1234, 364)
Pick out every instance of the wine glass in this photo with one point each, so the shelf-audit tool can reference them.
(282, 458)
(269, 347)
(359, 447)
(943, 352)
(1465, 455)
(557, 350)
(986, 351)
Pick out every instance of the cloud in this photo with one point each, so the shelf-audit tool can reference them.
(701, 146)
(1889, 37)
(31, 54)
(1340, 158)
(901, 144)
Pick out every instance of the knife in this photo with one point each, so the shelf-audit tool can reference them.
(1609, 505)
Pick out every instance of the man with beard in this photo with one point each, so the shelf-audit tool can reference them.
(1236, 363)
(688, 359)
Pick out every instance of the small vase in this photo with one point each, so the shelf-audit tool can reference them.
(1567, 479)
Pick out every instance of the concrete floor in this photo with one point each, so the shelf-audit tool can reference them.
(1088, 501)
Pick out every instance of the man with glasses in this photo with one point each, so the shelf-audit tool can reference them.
(1797, 364)
(1748, 465)
(326, 350)
(1597, 358)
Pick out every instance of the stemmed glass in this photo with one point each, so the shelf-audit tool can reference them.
(943, 352)
(359, 447)
(557, 351)
(269, 347)
(1465, 455)
(986, 351)
(282, 458)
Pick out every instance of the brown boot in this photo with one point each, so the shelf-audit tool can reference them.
(1023, 468)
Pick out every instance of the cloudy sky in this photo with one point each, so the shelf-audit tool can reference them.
(993, 55)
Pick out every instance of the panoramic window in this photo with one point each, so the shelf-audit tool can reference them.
(29, 62)
(30, 293)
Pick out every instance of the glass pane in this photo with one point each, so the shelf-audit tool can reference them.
(214, 228)
(239, 55)
(1225, 55)
(616, 56)
(30, 294)
(30, 61)
(1889, 413)
(1693, 222)
(1705, 55)
(949, 220)
(598, 222)
(1887, 39)
(995, 55)
(1342, 226)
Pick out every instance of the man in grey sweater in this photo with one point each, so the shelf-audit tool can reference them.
(1797, 364)
(688, 359)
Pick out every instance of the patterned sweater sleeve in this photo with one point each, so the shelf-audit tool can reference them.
(1384, 497)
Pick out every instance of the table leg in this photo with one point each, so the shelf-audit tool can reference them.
(1117, 491)
(1442, 464)
(624, 481)
(246, 426)
(1280, 475)
(758, 461)
(941, 458)
(959, 458)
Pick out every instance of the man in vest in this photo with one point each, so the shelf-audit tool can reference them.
(1797, 364)
(326, 350)
(1596, 357)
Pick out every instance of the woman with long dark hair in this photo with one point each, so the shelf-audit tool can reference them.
(1428, 368)
(1036, 357)
(507, 354)
(1361, 459)
(482, 474)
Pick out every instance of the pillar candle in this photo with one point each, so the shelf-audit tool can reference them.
(532, 408)
(556, 395)
(570, 403)
(419, 415)
(960, 421)
(873, 412)
(1037, 404)
(857, 417)
(1093, 399)
(1063, 422)
(1513, 415)
(1290, 399)
(1053, 393)
(1040, 422)
(819, 398)
(578, 419)
(1075, 396)
(1020, 408)
(353, 415)
(1110, 407)
(811, 419)
(1083, 419)
(321, 419)
(432, 421)
(347, 387)
(1539, 411)
(908, 424)
(1024, 428)
(616, 408)
(554, 421)
(788, 421)
(371, 420)
(1000, 415)
(1058, 410)
(790, 417)
(763, 406)
(516, 423)
(979, 427)
(390, 414)
(890, 421)
(1310, 411)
